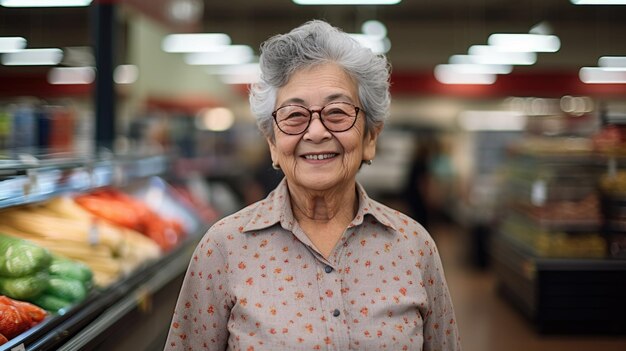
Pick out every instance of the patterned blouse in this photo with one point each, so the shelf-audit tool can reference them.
(256, 282)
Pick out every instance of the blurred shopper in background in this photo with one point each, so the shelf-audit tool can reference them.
(317, 264)
(418, 182)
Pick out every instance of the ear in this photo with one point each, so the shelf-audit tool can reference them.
(271, 143)
(369, 143)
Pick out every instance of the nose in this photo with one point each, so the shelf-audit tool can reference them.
(316, 131)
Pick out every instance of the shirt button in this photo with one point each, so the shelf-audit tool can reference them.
(328, 269)
(336, 313)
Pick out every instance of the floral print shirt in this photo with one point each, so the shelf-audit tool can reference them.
(256, 282)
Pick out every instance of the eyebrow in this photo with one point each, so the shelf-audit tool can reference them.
(328, 99)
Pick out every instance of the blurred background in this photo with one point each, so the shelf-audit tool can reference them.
(506, 138)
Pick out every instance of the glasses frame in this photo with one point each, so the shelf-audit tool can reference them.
(319, 112)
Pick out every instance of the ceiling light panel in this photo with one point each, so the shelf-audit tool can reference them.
(71, 75)
(598, 2)
(602, 75)
(347, 2)
(12, 44)
(497, 58)
(612, 61)
(231, 55)
(525, 42)
(33, 57)
(194, 42)
(45, 3)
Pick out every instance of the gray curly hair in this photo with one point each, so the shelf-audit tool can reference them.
(317, 42)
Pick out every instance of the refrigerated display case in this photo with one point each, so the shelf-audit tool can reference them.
(551, 253)
(135, 310)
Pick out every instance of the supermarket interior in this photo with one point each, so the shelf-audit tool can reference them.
(126, 132)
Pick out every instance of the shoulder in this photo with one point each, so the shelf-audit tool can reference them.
(399, 222)
(231, 226)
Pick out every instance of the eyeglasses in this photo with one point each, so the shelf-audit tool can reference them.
(336, 117)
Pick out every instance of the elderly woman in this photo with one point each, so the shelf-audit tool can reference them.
(317, 265)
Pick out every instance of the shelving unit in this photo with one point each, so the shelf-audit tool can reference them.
(148, 293)
(550, 252)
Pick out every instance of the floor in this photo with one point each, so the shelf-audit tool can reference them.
(487, 322)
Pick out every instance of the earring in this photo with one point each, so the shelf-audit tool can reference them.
(368, 162)
(275, 166)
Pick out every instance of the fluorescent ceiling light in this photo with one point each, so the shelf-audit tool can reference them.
(496, 58)
(125, 74)
(374, 43)
(612, 61)
(602, 75)
(231, 55)
(194, 42)
(472, 68)
(598, 2)
(33, 57)
(215, 119)
(44, 3)
(525, 42)
(12, 44)
(71, 75)
(446, 75)
(492, 120)
(239, 78)
(247, 73)
(346, 2)
(374, 28)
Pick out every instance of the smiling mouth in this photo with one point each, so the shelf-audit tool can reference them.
(320, 156)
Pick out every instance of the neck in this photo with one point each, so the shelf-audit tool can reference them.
(336, 205)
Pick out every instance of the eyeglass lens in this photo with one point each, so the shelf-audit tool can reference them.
(336, 117)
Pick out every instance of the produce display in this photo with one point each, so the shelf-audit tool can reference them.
(552, 241)
(123, 210)
(550, 199)
(16, 317)
(31, 273)
(65, 229)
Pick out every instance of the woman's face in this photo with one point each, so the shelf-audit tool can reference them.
(318, 159)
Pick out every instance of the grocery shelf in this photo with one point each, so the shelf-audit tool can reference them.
(86, 322)
(30, 180)
(562, 295)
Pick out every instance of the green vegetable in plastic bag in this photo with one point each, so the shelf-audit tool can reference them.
(67, 289)
(24, 288)
(65, 268)
(50, 303)
(20, 258)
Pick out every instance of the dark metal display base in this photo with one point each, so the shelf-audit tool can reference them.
(562, 296)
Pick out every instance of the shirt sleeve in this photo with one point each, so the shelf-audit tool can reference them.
(203, 308)
(440, 325)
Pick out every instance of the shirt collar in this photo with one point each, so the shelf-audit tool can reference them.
(276, 208)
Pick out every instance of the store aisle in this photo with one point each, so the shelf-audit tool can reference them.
(489, 323)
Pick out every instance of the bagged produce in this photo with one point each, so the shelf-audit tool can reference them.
(51, 303)
(69, 269)
(128, 212)
(71, 290)
(19, 257)
(24, 288)
(17, 317)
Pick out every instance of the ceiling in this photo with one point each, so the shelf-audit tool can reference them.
(423, 33)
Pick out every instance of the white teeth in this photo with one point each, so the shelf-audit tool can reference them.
(319, 157)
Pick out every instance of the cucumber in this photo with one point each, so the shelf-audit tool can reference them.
(24, 288)
(20, 258)
(67, 289)
(69, 269)
(50, 303)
